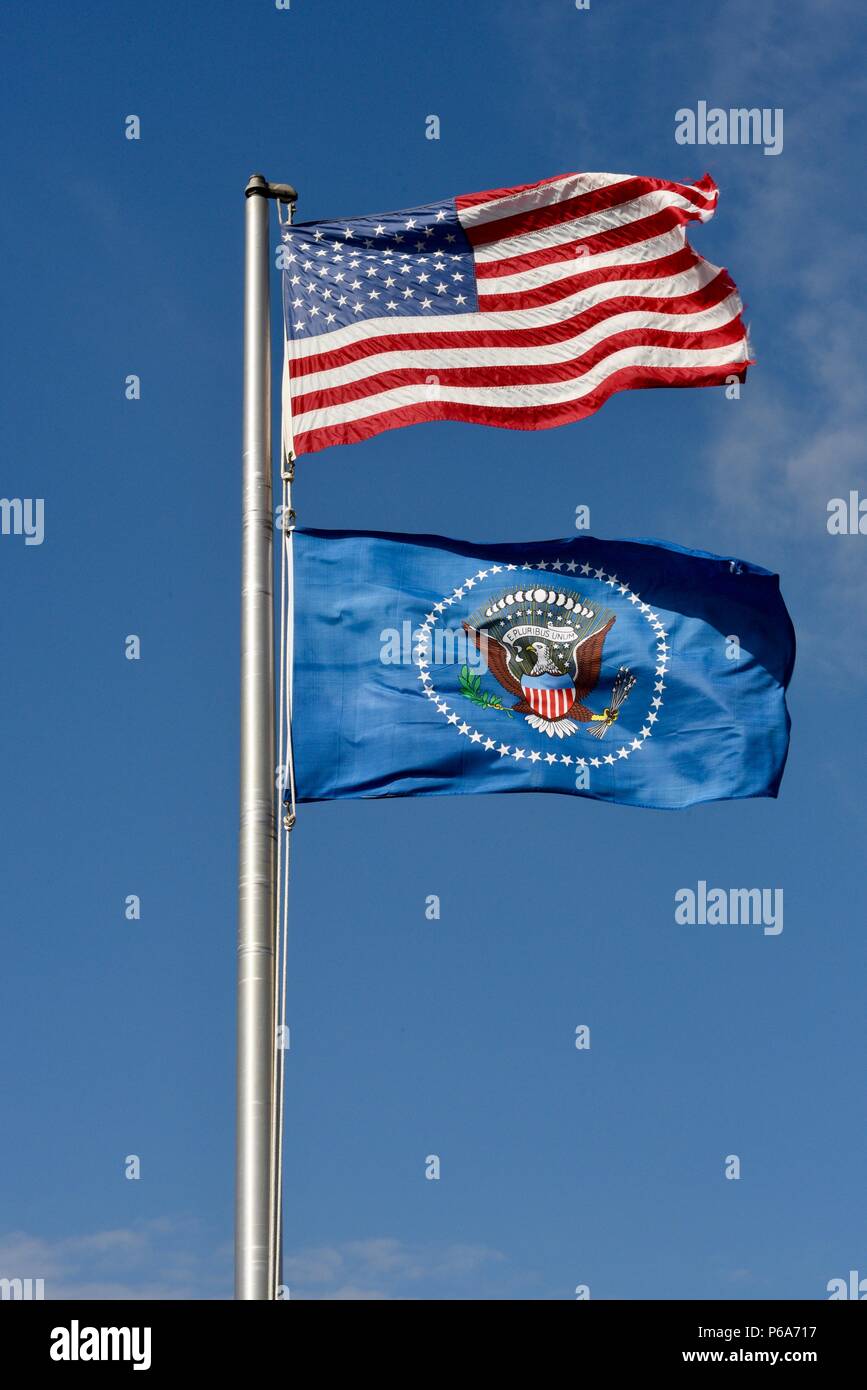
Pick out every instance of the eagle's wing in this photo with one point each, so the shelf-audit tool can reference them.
(496, 658)
(588, 660)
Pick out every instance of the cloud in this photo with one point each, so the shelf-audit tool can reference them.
(795, 439)
(383, 1267)
(173, 1259)
(161, 1259)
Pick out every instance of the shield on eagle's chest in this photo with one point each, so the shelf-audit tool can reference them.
(551, 697)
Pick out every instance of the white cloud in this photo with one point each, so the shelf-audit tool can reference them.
(796, 438)
(166, 1259)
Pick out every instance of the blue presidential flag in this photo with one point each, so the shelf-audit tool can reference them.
(628, 671)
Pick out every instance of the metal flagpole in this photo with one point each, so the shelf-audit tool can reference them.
(254, 1182)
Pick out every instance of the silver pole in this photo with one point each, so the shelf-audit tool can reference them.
(257, 854)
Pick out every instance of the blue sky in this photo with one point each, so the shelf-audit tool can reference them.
(559, 1167)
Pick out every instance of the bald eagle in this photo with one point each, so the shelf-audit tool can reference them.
(550, 680)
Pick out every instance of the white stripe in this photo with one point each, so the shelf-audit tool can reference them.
(591, 224)
(666, 287)
(654, 249)
(541, 394)
(537, 196)
(438, 359)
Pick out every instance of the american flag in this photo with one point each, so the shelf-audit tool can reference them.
(520, 307)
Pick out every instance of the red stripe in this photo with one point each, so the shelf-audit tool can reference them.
(471, 200)
(599, 199)
(521, 417)
(630, 234)
(714, 292)
(555, 290)
(519, 374)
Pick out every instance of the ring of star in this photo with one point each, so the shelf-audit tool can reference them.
(501, 752)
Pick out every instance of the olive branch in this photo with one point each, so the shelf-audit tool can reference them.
(471, 689)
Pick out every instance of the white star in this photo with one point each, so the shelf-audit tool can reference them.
(347, 232)
(585, 569)
(410, 224)
(453, 719)
(460, 299)
(503, 750)
(464, 729)
(441, 214)
(489, 744)
(318, 234)
(550, 758)
(518, 754)
(379, 230)
(476, 737)
(566, 758)
(623, 753)
(426, 303)
(535, 757)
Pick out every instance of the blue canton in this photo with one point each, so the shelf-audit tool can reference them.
(409, 264)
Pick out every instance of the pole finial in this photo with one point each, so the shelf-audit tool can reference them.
(282, 192)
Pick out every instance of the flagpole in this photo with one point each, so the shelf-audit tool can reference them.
(254, 1182)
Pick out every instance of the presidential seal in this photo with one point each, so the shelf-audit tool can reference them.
(543, 665)
(545, 647)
